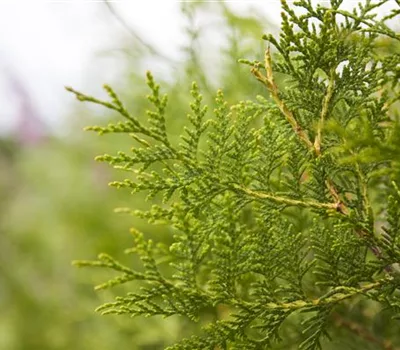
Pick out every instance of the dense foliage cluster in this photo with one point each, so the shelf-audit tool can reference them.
(284, 209)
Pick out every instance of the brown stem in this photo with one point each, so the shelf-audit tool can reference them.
(360, 331)
(132, 32)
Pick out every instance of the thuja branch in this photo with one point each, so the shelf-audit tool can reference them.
(269, 82)
(253, 266)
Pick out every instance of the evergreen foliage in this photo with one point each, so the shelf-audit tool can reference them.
(284, 210)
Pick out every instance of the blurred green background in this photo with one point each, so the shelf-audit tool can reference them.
(55, 205)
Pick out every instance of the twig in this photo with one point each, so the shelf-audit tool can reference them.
(324, 112)
(285, 200)
(269, 82)
(129, 29)
(362, 332)
(333, 297)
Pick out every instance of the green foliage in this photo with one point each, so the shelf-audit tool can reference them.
(284, 212)
(55, 206)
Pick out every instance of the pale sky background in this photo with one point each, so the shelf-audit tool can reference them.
(50, 44)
